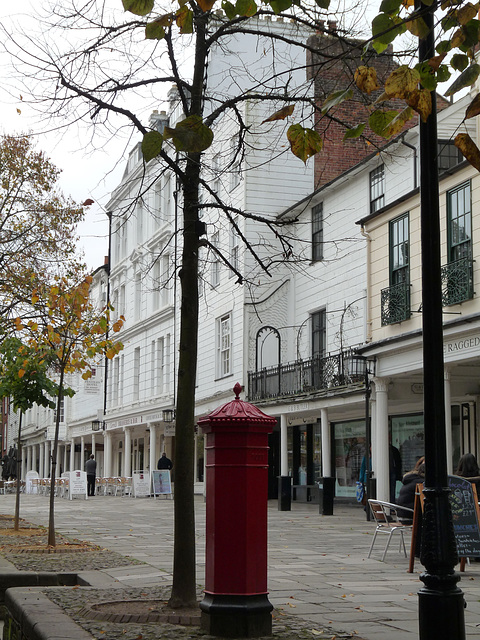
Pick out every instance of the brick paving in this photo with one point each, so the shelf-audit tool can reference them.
(320, 580)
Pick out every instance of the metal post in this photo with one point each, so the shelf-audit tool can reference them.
(441, 603)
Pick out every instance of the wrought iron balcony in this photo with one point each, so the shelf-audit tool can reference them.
(306, 376)
(457, 281)
(396, 303)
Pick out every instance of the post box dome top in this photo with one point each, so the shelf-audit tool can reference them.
(238, 411)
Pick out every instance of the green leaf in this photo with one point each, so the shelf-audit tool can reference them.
(336, 98)
(323, 4)
(280, 5)
(459, 61)
(229, 9)
(390, 6)
(154, 31)
(418, 27)
(380, 120)
(471, 32)
(185, 19)
(355, 132)
(427, 76)
(385, 28)
(443, 47)
(138, 7)
(304, 143)
(151, 145)
(190, 135)
(247, 8)
(443, 73)
(465, 79)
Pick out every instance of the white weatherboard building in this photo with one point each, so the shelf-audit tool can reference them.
(336, 304)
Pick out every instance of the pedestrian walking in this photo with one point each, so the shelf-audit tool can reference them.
(164, 462)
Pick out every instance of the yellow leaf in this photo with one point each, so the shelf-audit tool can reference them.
(466, 13)
(469, 149)
(21, 373)
(457, 39)
(304, 143)
(281, 114)
(366, 79)
(473, 108)
(205, 5)
(421, 101)
(86, 375)
(401, 82)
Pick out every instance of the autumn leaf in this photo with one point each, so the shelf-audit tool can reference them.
(401, 82)
(281, 114)
(421, 101)
(473, 108)
(304, 142)
(397, 124)
(247, 8)
(21, 373)
(205, 5)
(469, 149)
(418, 27)
(379, 121)
(467, 13)
(184, 20)
(88, 202)
(87, 374)
(366, 79)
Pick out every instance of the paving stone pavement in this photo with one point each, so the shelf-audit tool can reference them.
(318, 569)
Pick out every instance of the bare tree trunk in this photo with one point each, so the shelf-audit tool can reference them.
(51, 515)
(184, 564)
(16, 525)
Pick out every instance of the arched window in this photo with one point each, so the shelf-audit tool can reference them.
(267, 348)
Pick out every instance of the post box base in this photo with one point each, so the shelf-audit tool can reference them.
(236, 616)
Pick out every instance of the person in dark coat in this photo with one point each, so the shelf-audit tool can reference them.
(468, 469)
(164, 462)
(91, 469)
(406, 497)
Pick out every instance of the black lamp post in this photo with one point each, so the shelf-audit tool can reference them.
(440, 601)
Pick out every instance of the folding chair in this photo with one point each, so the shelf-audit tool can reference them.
(385, 515)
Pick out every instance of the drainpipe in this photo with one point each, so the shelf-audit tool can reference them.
(414, 149)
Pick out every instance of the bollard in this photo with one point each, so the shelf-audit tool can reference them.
(328, 495)
(284, 493)
(236, 601)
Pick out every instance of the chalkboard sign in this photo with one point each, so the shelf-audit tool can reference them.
(466, 516)
(466, 519)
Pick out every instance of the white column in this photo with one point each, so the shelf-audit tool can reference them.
(382, 444)
(448, 420)
(24, 467)
(29, 457)
(72, 454)
(93, 444)
(283, 445)
(326, 445)
(82, 452)
(153, 448)
(41, 459)
(64, 465)
(107, 445)
(127, 452)
(46, 461)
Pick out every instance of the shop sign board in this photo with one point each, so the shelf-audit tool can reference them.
(141, 484)
(77, 484)
(30, 487)
(161, 482)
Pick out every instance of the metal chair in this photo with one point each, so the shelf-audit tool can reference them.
(386, 517)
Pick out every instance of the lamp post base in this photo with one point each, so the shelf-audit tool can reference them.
(441, 614)
(241, 616)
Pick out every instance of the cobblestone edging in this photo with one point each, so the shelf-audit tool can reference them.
(98, 612)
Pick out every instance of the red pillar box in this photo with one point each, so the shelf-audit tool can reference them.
(236, 444)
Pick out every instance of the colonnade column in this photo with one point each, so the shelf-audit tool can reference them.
(46, 460)
(82, 452)
(64, 468)
(127, 466)
(93, 444)
(448, 420)
(283, 445)
(41, 460)
(381, 443)
(153, 447)
(107, 454)
(29, 458)
(23, 471)
(72, 454)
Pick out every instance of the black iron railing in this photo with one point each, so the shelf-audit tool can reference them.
(304, 376)
(457, 281)
(395, 303)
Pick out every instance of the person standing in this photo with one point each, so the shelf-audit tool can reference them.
(164, 462)
(91, 469)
